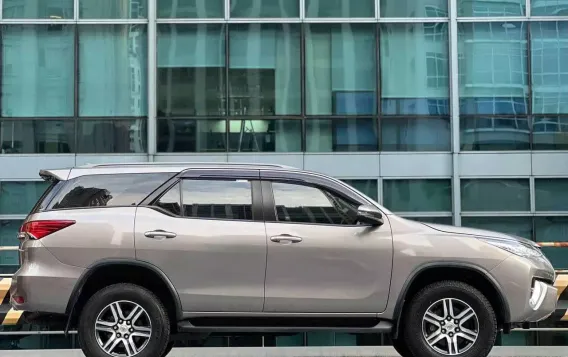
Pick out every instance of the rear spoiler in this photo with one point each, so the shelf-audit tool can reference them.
(55, 175)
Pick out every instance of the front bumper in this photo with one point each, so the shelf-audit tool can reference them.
(543, 301)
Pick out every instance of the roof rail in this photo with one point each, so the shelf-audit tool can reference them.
(200, 164)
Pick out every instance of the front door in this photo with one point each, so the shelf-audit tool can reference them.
(205, 235)
(320, 260)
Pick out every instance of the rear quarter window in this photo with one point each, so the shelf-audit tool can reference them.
(107, 190)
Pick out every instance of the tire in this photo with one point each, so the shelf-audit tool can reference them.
(401, 347)
(168, 348)
(149, 325)
(480, 328)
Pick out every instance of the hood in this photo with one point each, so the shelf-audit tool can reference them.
(474, 232)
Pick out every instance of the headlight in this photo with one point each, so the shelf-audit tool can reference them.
(515, 247)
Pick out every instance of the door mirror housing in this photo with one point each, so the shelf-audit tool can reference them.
(370, 215)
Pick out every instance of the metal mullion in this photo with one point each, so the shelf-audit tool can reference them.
(378, 87)
(76, 93)
(286, 20)
(75, 9)
(528, 10)
(496, 214)
(37, 22)
(14, 217)
(420, 20)
(551, 214)
(453, 44)
(493, 116)
(1, 9)
(547, 18)
(302, 9)
(113, 118)
(532, 193)
(191, 21)
(493, 19)
(377, 9)
(151, 81)
(227, 4)
(340, 20)
(424, 214)
(113, 21)
(227, 84)
(529, 84)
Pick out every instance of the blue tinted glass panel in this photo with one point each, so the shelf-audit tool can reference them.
(493, 68)
(495, 195)
(340, 69)
(549, 133)
(265, 135)
(414, 69)
(191, 9)
(354, 134)
(37, 70)
(37, 136)
(495, 134)
(368, 187)
(265, 8)
(37, 9)
(550, 230)
(113, 9)
(264, 69)
(483, 8)
(111, 136)
(549, 64)
(113, 68)
(412, 134)
(340, 8)
(551, 194)
(186, 135)
(519, 226)
(417, 195)
(20, 197)
(549, 8)
(9, 238)
(411, 8)
(191, 70)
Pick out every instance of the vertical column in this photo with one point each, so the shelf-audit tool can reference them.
(455, 109)
(152, 68)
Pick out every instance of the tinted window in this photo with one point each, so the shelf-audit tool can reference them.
(107, 190)
(170, 201)
(305, 204)
(20, 197)
(217, 199)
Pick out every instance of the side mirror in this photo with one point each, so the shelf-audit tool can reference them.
(370, 215)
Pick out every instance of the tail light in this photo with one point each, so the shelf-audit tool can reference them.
(40, 229)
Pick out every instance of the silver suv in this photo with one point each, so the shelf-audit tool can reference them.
(135, 256)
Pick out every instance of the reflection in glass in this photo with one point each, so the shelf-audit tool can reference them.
(480, 195)
(37, 70)
(368, 187)
(553, 229)
(265, 135)
(484, 8)
(434, 220)
(37, 136)
(264, 69)
(493, 134)
(217, 199)
(519, 226)
(417, 195)
(20, 197)
(113, 68)
(550, 133)
(340, 8)
(9, 260)
(551, 194)
(415, 69)
(191, 70)
(340, 69)
(549, 8)
(111, 136)
(191, 9)
(415, 134)
(265, 8)
(411, 8)
(187, 135)
(549, 65)
(37, 9)
(113, 9)
(353, 134)
(493, 68)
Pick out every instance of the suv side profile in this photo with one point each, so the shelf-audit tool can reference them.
(135, 256)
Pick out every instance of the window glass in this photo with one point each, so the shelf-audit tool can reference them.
(549, 133)
(415, 69)
(551, 194)
(495, 133)
(434, 220)
(37, 136)
(306, 204)
(37, 9)
(265, 135)
(113, 9)
(493, 68)
(418, 195)
(170, 201)
(415, 134)
(217, 199)
(107, 190)
(38, 64)
(551, 230)
(264, 69)
(20, 197)
(112, 136)
(410, 8)
(483, 8)
(9, 260)
(549, 66)
(113, 67)
(186, 135)
(519, 226)
(342, 135)
(265, 8)
(340, 8)
(191, 9)
(549, 8)
(191, 70)
(368, 187)
(495, 195)
(340, 69)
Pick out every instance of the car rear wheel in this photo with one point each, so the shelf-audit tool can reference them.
(450, 318)
(124, 320)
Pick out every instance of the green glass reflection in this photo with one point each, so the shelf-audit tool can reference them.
(264, 135)
(111, 136)
(191, 9)
(417, 195)
(37, 9)
(551, 195)
(411, 8)
(340, 8)
(549, 8)
(9, 260)
(20, 197)
(483, 8)
(495, 195)
(113, 9)
(37, 136)
(551, 230)
(519, 226)
(181, 135)
(368, 187)
(265, 8)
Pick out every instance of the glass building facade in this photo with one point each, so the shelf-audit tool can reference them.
(444, 111)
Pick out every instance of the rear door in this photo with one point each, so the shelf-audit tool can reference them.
(207, 234)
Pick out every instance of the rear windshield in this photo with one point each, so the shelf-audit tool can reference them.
(105, 190)
(47, 196)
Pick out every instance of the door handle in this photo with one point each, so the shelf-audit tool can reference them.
(285, 238)
(159, 233)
